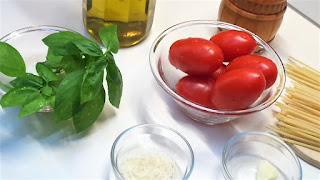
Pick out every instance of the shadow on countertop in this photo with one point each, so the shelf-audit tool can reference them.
(41, 127)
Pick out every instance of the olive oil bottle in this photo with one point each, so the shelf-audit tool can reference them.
(133, 18)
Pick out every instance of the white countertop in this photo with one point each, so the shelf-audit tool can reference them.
(37, 148)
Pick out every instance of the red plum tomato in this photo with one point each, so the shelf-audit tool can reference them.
(219, 72)
(195, 56)
(196, 89)
(234, 43)
(265, 65)
(237, 89)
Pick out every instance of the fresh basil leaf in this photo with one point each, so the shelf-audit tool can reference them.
(89, 112)
(70, 43)
(54, 84)
(72, 63)
(90, 59)
(68, 93)
(52, 101)
(109, 38)
(52, 60)
(28, 79)
(47, 90)
(114, 81)
(88, 46)
(68, 64)
(16, 96)
(96, 65)
(91, 86)
(101, 63)
(11, 62)
(93, 79)
(46, 73)
(34, 105)
(61, 43)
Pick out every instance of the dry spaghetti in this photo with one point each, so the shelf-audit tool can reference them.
(299, 115)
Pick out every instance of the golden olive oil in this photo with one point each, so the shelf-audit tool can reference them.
(132, 17)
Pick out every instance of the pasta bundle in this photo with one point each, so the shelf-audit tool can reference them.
(299, 116)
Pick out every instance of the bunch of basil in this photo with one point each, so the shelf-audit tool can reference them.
(70, 80)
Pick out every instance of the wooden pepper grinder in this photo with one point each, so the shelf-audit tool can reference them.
(262, 17)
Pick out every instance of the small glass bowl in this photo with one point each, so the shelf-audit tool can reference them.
(152, 140)
(167, 75)
(28, 42)
(243, 154)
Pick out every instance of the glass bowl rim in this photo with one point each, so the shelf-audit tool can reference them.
(112, 154)
(172, 93)
(235, 138)
(21, 31)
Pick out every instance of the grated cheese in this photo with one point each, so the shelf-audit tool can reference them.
(148, 166)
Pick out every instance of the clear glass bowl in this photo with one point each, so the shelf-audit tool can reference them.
(243, 154)
(151, 140)
(28, 42)
(167, 76)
